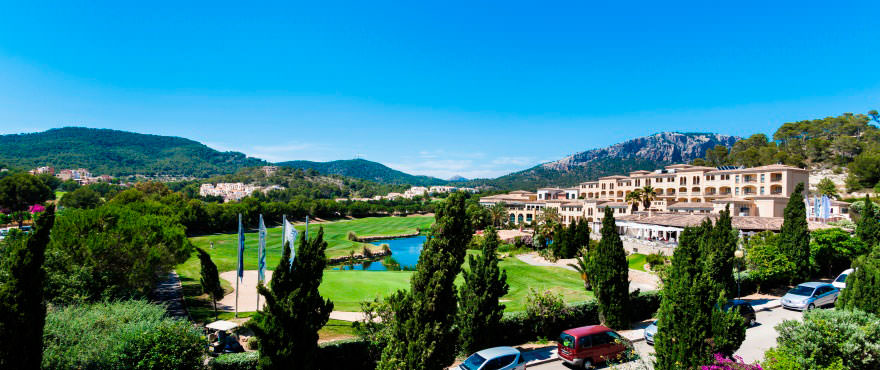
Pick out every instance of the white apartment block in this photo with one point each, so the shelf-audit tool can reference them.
(233, 191)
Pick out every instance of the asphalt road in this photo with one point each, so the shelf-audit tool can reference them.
(759, 338)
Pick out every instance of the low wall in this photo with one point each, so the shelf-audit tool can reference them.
(365, 239)
(360, 257)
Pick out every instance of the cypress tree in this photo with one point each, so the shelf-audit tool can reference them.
(610, 276)
(863, 285)
(22, 311)
(794, 241)
(423, 334)
(294, 312)
(691, 325)
(868, 230)
(720, 258)
(210, 279)
(479, 310)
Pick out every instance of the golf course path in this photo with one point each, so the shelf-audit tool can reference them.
(247, 297)
(641, 280)
(170, 293)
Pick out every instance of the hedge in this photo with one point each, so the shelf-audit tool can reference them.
(235, 361)
(347, 354)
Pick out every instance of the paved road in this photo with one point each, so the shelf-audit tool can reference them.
(170, 293)
(758, 339)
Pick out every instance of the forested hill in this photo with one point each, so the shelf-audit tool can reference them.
(644, 153)
(118, 153)
(364, 169)
(849, 141)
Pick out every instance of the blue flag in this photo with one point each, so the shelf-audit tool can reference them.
(261, 252)
(240, 249)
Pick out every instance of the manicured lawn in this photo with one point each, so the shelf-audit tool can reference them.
(347, 289)
(637, 261)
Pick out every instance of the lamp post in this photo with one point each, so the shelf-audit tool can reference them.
(739, 254)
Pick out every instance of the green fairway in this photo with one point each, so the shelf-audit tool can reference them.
(347, 289)
(637, 261)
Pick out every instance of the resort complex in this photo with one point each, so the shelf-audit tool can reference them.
(681, 195)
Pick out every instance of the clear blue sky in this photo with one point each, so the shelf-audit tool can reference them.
(470, 88)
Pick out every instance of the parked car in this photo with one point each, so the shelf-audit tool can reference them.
(743, 308)
(808, 296)
(840, 281)
(4, 233)
(650, 332)
(589, 345)
(498, 358)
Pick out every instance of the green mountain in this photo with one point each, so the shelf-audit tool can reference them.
(364, 169)
(119, 153)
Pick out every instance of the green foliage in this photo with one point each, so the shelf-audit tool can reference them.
(288, 325)
(655, 259)
(236, 361)
(766, 264)
(827, 339)
(114, 251)
(20, 191)
(422, 332)
(545, 309)
(84, 197)
(719, 255)
(794, 241)
(863, 285)
(864, 171)
(22, 310)
(119, 153)
(120, 335)
(364, 169)
(610, 276)
(827, 187)
(833, 250)
(210, 279)
(868, 229)
(691, 326)
(484, 284)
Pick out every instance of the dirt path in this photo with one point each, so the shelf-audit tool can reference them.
(170, 292)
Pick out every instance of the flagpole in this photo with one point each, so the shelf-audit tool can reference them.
(239, 266)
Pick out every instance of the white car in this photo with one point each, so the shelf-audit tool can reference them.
(3, 233)
(498, 358)
(840, 281)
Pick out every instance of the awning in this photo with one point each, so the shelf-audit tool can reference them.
(222, 325)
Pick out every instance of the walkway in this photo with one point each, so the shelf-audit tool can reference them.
(170, 292)
(641, 280)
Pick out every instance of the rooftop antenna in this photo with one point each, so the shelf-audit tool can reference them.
(358, 156)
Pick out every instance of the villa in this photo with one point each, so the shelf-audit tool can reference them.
(685, 195)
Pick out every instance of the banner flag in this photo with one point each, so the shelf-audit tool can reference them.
(826, 207)
(240, 249)
(816, 207)
(289, 235)
(261, 253)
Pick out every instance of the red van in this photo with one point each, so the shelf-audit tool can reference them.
(589, 345)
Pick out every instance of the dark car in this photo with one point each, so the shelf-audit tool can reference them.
(589, 345)
(744, 309)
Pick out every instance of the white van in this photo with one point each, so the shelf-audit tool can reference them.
(840, 281)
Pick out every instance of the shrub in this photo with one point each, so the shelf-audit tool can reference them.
(827, 339)
(348, 354)
(235, 361)
(724, 363)
(366, 252)
(352, 236)
(655, 259)
(386, 249)
(130, 334)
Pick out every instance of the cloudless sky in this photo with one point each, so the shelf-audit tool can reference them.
(472, 88)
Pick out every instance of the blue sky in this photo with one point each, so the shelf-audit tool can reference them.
(476, 89)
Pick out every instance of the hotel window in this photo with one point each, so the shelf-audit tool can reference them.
(762, 178)
(762, 188)
(736, 191)
(737, 179)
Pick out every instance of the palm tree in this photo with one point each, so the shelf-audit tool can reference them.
(648, 196)
(582, 267)
(550, 215)
(634, 198)
(498, 213)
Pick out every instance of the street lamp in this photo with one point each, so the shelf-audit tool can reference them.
(739, 254)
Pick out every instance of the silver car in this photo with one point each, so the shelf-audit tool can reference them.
(808, 296)
(498, 358)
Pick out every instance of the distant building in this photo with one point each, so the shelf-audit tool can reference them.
(42, 170)
(269, 170)
(233, 191)
(415, 191)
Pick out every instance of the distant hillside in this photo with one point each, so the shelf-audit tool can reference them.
(364, 169)
(644, 153)
(118, 153)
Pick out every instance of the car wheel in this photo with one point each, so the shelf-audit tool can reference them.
(811, 307)
(752, 322)
(588, 364)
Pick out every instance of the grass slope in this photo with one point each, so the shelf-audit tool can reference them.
(637, 261)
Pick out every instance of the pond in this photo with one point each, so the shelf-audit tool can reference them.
(405, 251)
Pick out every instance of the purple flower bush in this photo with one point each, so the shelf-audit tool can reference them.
(724, 363)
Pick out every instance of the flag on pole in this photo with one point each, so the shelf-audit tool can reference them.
(816, 207)
(261, 253)
(826, 207)
(240, 249)
(289, 235)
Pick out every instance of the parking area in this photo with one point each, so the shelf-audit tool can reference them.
(759, 338)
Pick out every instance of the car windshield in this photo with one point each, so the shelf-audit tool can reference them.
(841, 278)
(566, 340)
(473, 362)
(801, 290)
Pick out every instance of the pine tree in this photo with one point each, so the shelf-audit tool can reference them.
(868, 230)
(794, 239)
(479, 310)
(720, 258)
(423, 334)
(294, 312)
(863, 285)
(610, 276)
(210, 279)
(691, 325)
(22, 311)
